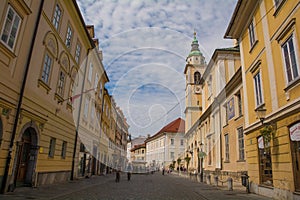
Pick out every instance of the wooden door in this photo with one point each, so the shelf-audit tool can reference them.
(24, 155)
(296, 163)
(23, 161)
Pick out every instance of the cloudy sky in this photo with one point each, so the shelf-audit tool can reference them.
(145, 44)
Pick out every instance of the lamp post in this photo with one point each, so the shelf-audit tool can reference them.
(260, 114)
(201, 154)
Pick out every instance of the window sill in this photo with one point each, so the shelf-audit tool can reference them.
(239, 117)
(69, 106)
(292, 84)
(44, 85)
(241, 161)
(226, 161)
(7, 51)
(266, 186)
(59, 98)
(259, 106)
(253, 46)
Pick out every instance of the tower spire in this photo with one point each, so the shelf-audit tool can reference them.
(195, 46)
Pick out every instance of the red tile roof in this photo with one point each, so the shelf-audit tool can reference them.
(138, 147)
(176, 126)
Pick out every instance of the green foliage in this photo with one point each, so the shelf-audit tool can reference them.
(187, 160)
(268, 133)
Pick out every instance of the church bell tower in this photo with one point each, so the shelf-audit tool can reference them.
(194, 69)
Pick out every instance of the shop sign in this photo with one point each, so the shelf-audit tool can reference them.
(295, 132)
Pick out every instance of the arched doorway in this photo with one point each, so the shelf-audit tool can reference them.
(27, 156)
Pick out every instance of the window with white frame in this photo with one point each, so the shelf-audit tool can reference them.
(181, 142)
(92, 114)
(258, 89)
(239, 103)
(290, 59)
(90, 72)
(209, 83)
(278, 2)
(63, 149)
(86, 108)
(69, 36)
(61, 83)
(46, 68)
(172, 155)
(11, 27)
(251, 33)
(77, 52)
(241, 143)
(71, 92)
(56, 16)
(51, 147)
(226, 147)
(100, 93)
(96, 81)
(172, 141)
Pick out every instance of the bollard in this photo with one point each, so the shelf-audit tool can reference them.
(216, 180)
(204, 178)
(230, 185)
(208, 179)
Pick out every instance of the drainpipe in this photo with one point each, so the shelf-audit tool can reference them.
(78, 118)
(11, 144)
(220, 122)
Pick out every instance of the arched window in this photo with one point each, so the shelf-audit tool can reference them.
(197, 77)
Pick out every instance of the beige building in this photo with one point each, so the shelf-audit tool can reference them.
(87, 110)
(138, 158)
(215, 142)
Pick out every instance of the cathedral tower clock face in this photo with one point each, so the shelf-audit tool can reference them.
(197, 89)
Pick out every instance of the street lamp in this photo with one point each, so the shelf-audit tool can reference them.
(261, 114)
(201, 155)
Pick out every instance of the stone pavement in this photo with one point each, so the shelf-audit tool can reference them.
(156, 186)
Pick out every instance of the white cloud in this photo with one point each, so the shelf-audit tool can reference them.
(145, 44)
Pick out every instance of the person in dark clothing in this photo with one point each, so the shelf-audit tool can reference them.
(117, 176)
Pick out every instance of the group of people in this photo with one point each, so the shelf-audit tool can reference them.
(118, 173)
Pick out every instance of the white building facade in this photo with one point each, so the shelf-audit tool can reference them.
(166, 146)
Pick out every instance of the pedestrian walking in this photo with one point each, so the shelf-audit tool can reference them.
(129, 171)
(117, 176)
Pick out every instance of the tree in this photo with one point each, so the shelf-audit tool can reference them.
(178, 163)
(187, 160)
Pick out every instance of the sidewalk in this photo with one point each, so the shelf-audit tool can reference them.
(56, 190)
(222, 185)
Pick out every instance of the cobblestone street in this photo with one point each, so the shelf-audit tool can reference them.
(154, 186)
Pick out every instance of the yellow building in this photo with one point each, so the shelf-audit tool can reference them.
(268, 35)
(38, 128)
(138, 157)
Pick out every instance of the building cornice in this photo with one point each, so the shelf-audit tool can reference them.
(240, 18)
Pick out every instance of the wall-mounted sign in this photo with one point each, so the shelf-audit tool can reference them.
(260, 141)
(295, 132)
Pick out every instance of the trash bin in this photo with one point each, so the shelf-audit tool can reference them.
(244, 178)
(208, 179)
(216, 178)
(229, 183)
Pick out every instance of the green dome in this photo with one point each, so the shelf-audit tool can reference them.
(195, 53)
(195, 47)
